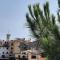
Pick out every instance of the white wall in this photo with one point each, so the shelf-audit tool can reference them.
(3, 49)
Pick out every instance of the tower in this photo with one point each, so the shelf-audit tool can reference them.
(8, 37)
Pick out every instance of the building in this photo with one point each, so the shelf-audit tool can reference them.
(4, 52)
(14, 47)
(17, 45)
(32, 55)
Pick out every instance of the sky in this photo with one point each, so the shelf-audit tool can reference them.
(13, 16)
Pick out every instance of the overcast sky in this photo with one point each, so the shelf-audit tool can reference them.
(12, 16)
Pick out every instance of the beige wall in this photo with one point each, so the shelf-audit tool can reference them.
(16, 47)
(30, 55)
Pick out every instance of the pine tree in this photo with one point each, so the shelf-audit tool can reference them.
(44, 28)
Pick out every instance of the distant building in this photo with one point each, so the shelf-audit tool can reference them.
(19, 47)
(4, 52)
(32, 55)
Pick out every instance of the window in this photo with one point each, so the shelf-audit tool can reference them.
(18, 56)
(3, 56)
(11, 43)
(11, 47)
(33, 57)
(3, 52)
(7, 48)
(5, 42)
(43, 55)
(24, 53)
(6, 52)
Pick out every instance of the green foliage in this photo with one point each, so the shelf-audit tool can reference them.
(59, 3)
(44, 28)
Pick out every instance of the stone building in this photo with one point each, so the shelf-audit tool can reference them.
(14, 47)
(32, 55)
(19, 47)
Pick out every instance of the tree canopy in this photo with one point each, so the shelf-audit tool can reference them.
(43, 27)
